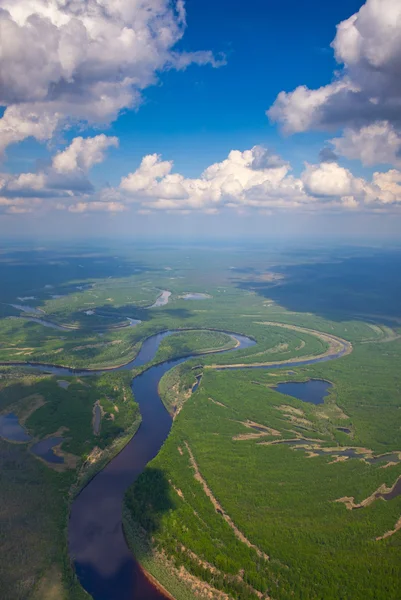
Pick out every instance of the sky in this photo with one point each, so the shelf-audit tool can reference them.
(141, 118)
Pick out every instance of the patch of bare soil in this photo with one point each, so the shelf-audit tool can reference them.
(217, 403)
(177, 490)
(50, 586)
(198, 476)
(261, 431)
(331, 411)
(299, 421)
(338, 459)
(215, 571)
(391, 532)
(291, 410)
(180, 450)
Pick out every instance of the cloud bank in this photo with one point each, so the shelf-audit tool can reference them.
(254, 179)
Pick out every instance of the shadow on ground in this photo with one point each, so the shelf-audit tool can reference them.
(367, 287)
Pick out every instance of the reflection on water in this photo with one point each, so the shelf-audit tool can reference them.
(11, 430)
(313, 391)
(44, 449)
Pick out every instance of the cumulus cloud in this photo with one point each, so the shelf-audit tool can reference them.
(378, 143)
(368, 88)
(365, 96)
(83, 153)
(64, 60)
(253, 177)
(67, 177)
(387, 187)
(245, 180)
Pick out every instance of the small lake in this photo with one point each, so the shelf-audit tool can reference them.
(44, 449)
(195, 296)
(344, 430)
(313, 391)
(11, 430)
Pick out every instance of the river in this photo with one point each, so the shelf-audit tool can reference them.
(104, 564)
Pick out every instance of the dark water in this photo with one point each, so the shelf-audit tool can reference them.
(197, 384)
(394, 493)
(44, 449)
(352, 453)
(344, 429)
(313, 391)
(103, 562)
(383, 459)
(11, 430)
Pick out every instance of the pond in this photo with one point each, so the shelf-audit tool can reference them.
(44, 449)
(313, 391)
(11, 430)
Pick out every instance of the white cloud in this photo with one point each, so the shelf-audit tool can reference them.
(328, 179)
(365, 96)
(83, 207)
(64, 60)
(386, 187)
(368, 89)
(83, 153)
(252, 179)
(244, 178)
(374, 144)
(67, 175)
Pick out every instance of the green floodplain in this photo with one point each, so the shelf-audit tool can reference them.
(253, 494)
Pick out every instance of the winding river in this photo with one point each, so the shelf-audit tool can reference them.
(102, 559)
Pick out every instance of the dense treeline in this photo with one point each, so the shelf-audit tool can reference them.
(281, 500)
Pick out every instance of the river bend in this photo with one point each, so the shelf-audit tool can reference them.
(103, 562)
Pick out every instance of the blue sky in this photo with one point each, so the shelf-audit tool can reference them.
(195, 117)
